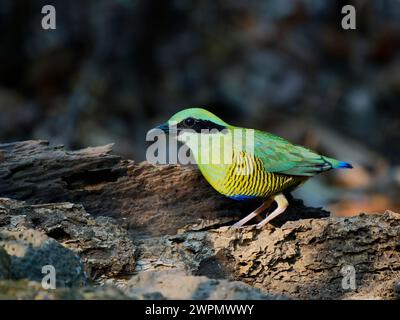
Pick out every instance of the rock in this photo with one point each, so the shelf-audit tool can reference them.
(31, 250)
(178, 285)
(397, 290)
(4, 264)
(31, 290)
(102, 244)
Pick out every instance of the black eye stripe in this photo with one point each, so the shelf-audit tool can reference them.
(199, 125)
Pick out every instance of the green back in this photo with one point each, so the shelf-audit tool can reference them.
(280, 156)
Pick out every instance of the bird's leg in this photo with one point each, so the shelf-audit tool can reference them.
(282, 203)
(260, 209)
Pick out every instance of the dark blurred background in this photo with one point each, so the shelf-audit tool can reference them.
(113, 69)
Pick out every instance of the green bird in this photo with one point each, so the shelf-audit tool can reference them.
(245, 164)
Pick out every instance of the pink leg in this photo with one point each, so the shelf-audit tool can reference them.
(282, 205)
(247, 218)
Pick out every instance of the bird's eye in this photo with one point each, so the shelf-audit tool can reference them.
(189, 122)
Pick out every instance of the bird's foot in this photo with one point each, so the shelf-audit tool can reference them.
(253, 214)
(282, 203)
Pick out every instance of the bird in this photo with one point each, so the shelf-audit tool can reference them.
(254, 164)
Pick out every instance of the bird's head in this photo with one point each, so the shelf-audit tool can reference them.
(208, 137)
(193, 121)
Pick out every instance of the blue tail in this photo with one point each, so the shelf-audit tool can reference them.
(343, 164)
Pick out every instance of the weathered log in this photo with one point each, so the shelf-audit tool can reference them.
(178, 222)
(153, 200)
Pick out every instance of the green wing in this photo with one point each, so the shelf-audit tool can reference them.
(280, 156)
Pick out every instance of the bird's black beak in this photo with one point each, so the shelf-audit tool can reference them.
(164, 127)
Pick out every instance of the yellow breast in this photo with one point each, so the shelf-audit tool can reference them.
(246, 177)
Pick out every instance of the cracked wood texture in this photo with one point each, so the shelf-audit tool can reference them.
(178, 222)
(301, 259)
(152, 200)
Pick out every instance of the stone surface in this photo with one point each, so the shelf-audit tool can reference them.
(31, 290)
(178, 285)
(4, 264)
(30, 250)
(102, 244)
